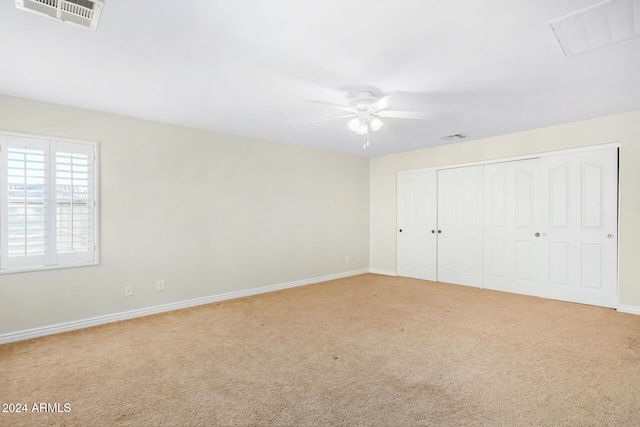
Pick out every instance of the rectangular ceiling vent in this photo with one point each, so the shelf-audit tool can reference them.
(83, 13)
(454, 137)
(605, 23)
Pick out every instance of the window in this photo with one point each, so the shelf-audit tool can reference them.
(48, 210)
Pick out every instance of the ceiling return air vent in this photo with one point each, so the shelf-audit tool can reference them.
(83, 13)
(609, 22)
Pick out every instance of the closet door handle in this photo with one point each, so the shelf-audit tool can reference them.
(401, 230)
(439, 231)
(433, 231)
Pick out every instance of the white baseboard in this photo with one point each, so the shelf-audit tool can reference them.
(110, 318)
(629, 309)
(383, 272)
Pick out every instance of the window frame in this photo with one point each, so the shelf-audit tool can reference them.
(51, 217)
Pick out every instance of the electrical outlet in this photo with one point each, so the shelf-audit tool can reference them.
(128, 290)
(160, 285)
(347, 260)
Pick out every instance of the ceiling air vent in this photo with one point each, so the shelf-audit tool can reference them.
(83, 13)
(454, 137)
(605, 23)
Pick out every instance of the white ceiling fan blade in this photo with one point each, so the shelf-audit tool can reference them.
(327, 119)
(387, 101)
(328, 104)
(416, 115)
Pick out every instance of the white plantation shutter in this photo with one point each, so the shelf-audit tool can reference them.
(74, 201)
(24, 202)
(48, 203)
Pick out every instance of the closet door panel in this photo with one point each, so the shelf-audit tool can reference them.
(579, 234)
(460, 200)
(511, 202)
(416, 220)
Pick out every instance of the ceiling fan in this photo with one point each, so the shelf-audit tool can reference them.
(366, 111)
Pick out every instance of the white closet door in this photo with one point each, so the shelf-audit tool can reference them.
(511, 218)
(460, 193)
(579, 234)
(417, 199)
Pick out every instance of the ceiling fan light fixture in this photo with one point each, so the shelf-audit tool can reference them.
(376, 124)
(354, 124)
(363, 128)
(359, 125)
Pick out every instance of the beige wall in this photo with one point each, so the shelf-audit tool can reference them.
(206, 212)
(623, 128)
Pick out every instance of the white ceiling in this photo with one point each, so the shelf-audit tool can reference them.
(248, 67)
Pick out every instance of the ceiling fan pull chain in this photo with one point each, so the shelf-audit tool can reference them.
(366, 141)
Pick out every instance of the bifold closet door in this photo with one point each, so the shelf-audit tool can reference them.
(579, 227)
(460, 201)
(417, 199)
(545, 227)
(511, 217)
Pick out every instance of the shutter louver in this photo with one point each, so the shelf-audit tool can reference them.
(27, 202)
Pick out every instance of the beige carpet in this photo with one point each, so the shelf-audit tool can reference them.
(363, 351)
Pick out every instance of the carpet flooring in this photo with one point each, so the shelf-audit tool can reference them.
(367, 350)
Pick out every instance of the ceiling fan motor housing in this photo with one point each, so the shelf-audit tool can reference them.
(364, 100)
